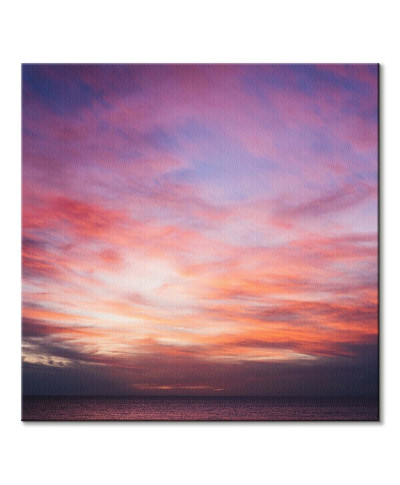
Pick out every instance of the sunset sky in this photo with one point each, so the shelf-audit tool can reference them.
(200, 229)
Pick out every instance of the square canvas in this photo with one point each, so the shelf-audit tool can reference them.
(200, 242)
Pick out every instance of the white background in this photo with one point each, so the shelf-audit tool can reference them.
(204, 31)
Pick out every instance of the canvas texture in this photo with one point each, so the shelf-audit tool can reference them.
(200, 242)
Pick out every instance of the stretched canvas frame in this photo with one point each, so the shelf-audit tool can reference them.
(200, 242)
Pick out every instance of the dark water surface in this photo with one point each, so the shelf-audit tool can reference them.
(197, 409)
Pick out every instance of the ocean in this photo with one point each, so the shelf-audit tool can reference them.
(71, 408)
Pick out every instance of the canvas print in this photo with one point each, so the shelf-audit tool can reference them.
(200, 242)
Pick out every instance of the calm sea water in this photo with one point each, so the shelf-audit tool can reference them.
(197, 409)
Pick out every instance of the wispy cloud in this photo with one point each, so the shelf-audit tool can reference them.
(199, 229)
